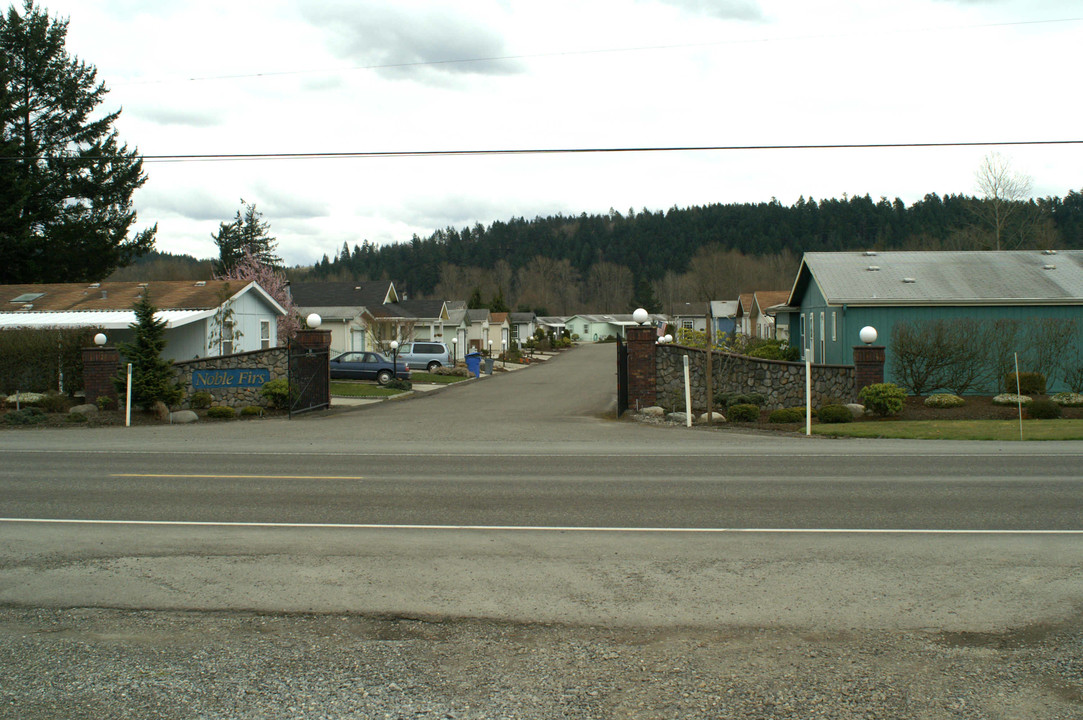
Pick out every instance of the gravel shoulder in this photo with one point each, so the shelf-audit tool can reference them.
(136, 664)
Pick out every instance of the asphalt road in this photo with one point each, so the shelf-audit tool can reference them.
(519, 497)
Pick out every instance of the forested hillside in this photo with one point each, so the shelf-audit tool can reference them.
(606, 262)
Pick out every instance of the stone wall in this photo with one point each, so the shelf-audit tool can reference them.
(274, 359)
(782, 383)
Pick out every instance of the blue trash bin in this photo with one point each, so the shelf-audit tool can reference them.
(473, 363)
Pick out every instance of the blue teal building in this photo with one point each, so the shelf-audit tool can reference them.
(837, 294)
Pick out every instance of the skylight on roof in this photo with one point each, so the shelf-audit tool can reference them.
(27, 297)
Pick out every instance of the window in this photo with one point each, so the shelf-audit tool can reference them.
(227, 338)
(804, 344)
(686, 324)
(822, 338)
(586, 328)
(264, 334)
(834, 327)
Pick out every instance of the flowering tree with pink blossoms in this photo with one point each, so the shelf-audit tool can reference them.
(249, 269)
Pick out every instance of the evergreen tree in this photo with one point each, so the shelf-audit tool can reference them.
(644, 297)
(247, 233)
(152, 376)
(66, 181)
(475, 302)
(497, 304)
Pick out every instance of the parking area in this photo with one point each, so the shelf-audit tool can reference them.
(499, 368)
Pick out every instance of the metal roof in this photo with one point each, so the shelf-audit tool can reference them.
(944, 278)
(106, 319)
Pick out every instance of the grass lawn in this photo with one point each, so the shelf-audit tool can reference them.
(360, 389)
(424, 377)
(1063, 429)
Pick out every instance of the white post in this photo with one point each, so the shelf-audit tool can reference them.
(808, 395)
(687, 394)
(1019, 396)
(128, 400)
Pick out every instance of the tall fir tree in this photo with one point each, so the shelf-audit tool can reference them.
(66, 180)
(152, 375)
(248, 232)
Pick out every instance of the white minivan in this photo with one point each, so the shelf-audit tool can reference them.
(429, 355)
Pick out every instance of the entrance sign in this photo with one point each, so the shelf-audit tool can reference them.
(235, 378)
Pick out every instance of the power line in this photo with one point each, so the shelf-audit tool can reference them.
(585, 151)
(236, 157)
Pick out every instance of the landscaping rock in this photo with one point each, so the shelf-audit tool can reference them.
(653, 411)
(183, 417)
(677, 417)
(87, 410)
(715, 417)
(857, 409)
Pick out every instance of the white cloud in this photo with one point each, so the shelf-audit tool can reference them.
(282, 76)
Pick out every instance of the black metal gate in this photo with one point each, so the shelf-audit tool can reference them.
(622, 377)
(309, 378)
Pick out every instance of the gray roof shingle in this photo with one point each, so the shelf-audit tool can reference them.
(945, 278)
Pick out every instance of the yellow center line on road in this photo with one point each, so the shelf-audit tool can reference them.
(236, 477)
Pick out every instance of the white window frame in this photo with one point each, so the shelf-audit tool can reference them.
(834, 326)
(226, 346)
(823, 349)
(265, 334)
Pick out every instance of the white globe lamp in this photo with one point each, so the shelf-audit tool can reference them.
(640, 316)
(313, 321)
(100, 339)
(867, 335)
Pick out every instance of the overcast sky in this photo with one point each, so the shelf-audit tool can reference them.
(298, 76)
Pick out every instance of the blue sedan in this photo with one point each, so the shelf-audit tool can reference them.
(367, 366)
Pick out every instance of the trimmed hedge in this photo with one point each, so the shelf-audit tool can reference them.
(733, 398)
(1030, 383)
(743, 412)
(836, 414)
(1043, 410)
(221, 412)
(944, 400)
(883, 398)
(786, 415)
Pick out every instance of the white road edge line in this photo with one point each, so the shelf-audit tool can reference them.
(534, 528)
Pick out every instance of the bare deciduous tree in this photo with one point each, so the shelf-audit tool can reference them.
(1004, 197)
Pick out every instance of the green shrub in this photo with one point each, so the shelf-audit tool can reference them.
(883, 398)
(1030, 383)
(54, 402)
(1011, 399)
(104, 402)
(221, 412)
(399, 384)
(251, 410)
(277, 393)
(786, 415)
(773, 350)
(944, 400)
(733, 398)
(201, 400)
(76, 417)
(1068, 399)
(743, 413)
(836, 414)
(1043, 410)
(26, 416)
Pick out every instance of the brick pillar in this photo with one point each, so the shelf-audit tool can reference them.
(868, 365)
(642, 370)
(100, 365)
